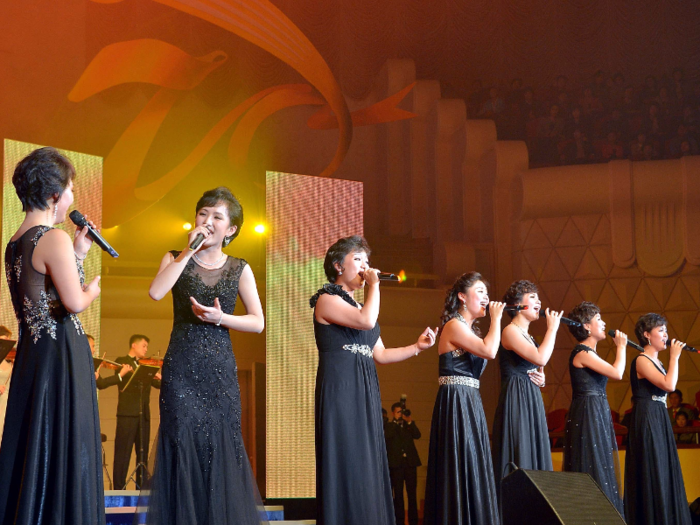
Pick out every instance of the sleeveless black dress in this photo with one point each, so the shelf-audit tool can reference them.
(520, 426)
(352, 472)
(51, 452)
(589, 442)
(654, 488)
(460, 489)
(201, 473)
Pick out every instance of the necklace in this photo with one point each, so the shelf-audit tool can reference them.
(200, 261)
(525, 334)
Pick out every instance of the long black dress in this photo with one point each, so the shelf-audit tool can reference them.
(50, 458)
(654, 488)
(352, 473)
(460, 489)
(201, 473)
(520, 426)
(589, 443)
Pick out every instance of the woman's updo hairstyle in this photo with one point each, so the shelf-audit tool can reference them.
(452, 302)
(647, 323)
(222, 196)
(338, 251)
(41, 175)
(516, 292)
(583, 313)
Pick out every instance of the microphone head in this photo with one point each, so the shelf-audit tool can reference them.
(611, 333)
(77, 218)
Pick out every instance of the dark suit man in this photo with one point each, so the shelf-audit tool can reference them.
(106, 382)
(129, 432)
(403, 462)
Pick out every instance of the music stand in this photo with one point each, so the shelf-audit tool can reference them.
(142, 374)
(5, 346)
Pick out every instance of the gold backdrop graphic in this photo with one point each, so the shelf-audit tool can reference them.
(305, 215)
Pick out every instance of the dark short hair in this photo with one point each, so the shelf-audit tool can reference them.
(395, 406)
(41, 175)
(4, 330)
(223, 196)
(680, 394)
(138, 337)
(517, 291)
(339, 250)
(583, 313)
(452, 302)
(647, 323)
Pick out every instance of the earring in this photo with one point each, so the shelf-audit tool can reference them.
(55, 212)
(340, 272)
(227, 241)
(588, 332)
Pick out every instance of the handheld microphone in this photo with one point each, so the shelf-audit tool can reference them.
(689, 348)
(512, 307)
(571, 322)
(388, 277)
(631, 344)
(198, 240)
(79, 220)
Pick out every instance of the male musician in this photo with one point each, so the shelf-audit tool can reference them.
(403, 462)
(106, 382)
(129, 432)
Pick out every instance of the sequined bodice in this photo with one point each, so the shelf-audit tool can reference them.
(461, 363)
(643, 388)
(37, 306)
(199, 393)
(512, 364)
(584, 380)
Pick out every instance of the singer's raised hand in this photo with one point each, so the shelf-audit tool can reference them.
(676, 348)
(553, 319)
(620, 339)
(496, 309)
(81, 242)
(192, 235)
(371, 276)
(427, 338)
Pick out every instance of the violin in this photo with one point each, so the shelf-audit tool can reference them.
(151, 361)
(111, 365)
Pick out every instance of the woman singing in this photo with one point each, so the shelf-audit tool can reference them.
(460, 488)
(654, 488)
(589, 443)
(201, 473)
(520, 426)
(50, 457)
(352, 473)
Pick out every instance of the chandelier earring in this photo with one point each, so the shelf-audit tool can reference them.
(227, 241)
(55, 212)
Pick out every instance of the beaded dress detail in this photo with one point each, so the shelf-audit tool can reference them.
(352, 472)
(51, 452)
(201, 473)
(589, 440)
(654, 487)
(459, 488)
(520, 425)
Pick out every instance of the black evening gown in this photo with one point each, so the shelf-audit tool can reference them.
(589, 441)
(654, 488)
(520, 426)
(51, 452)
(460, 489)
(201, 473)
(352, 472)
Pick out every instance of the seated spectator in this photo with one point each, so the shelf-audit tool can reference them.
(494, 106)
(617, 89)
(611, 148)
(630, 104)
(563, 102)
(577, 150)
(679, 88)
(589, 103)
(515, 95)
(576, 121)
(675, 149)
(690, 120)
(528, 107)
(654, 125)
(600, 88)
(475, 99)
(549, 134)
(667, 108)
(637, 146)
(676, 405)
(617, 122)
(650, 90)
(682, 422)
(650, 152)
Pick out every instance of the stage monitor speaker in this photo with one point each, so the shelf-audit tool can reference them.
(530, 497)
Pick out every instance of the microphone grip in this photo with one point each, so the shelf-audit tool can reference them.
(384, 276)
(198, 240)
(631, 344)
(570, 322)
(511, 307)
(689, 348)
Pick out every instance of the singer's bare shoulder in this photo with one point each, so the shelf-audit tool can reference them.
(54, 239)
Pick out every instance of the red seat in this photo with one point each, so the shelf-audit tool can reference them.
(615, 416)
(556, 420)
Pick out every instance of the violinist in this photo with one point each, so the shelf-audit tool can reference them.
(106, 382)
(129, 432)
(5, 372)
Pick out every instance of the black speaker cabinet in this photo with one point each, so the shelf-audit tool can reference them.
(535, 497)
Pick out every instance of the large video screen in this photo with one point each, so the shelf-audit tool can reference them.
(87, 190)
(305, 215)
